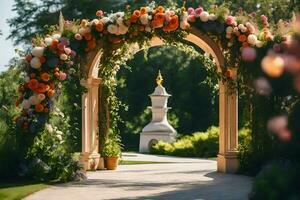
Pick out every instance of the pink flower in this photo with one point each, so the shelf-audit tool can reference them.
(264, 18)
(191, 11)
(191, 18)
(41, 97)
(78, 36)
(230, 20)
(198, 11)
(68, 51)
(61, 46)
(248, 54)
(73, 53)
(62, 76)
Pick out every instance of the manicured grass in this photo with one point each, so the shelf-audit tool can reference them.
(134, 162)
(19, 190)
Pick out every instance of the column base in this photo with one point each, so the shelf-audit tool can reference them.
(228, 163)
(89, 161)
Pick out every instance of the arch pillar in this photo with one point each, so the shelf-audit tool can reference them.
(89, 157)
(228, 122)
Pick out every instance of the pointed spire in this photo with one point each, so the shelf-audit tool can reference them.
(61, 22)
(159, 79)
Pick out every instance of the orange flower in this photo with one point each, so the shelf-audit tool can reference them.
(143, 10)
(136, 14)
(45, 77)
(91, 44)
(50, 93)
(99, 13)
(46, 110)
(42, 88)
(52, 86)
(242, 38)
(173, 24)
(33, 84)
(56, 74)
(133, 19)
(54, 44)
(99, 26)
(88, 36)
(160, 17)
(160, 9)
(43, 59)
(39, 108)
(158, 20)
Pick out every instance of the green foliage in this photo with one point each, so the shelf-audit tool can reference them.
(112, 147)
(276, 181)
(199, 144)
(49, 158)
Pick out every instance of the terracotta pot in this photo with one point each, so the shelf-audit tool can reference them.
(111, 163)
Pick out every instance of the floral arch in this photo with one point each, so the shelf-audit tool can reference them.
(94, 50)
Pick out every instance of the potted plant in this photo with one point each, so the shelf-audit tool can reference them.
(111, 153)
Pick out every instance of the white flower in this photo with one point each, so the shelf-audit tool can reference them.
(63, 56)
(244, 30)
(26, 104)
(26, 79)
(252, 39)
(259, 44)
(144, 19)
(38, 51)
(56, 36)
(35, 63)
(112, 29)
(228, 35)
(204, 16)
(229, 30)
(95, 21)
(119, 20)
(184, 25)
(248, 24)
(83, 31)
(241, 26)
(122, 29)
(49, 128)
(59, 137)
(235, 29)
(148, 29)
(48, 41)
(212, 17)
(104, 20)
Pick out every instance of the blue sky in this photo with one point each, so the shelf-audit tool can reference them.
(7, 50)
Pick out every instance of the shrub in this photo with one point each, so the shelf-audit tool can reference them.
(199, 144)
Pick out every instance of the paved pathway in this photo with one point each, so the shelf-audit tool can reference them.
(184, 178)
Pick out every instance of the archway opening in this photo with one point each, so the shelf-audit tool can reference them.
(228, 140)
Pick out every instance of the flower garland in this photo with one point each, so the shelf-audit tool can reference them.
(52, 59)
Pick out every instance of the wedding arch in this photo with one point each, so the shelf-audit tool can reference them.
(96, 49)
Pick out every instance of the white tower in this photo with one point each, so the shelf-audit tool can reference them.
(159, 128)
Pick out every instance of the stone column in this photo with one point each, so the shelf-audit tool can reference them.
(228, 140)
(89, 157)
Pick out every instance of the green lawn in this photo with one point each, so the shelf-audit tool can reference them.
(133, 162)
(19, 190)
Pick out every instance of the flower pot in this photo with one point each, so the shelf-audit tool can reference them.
(111, 163)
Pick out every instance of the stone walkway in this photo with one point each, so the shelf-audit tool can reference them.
(183, 178)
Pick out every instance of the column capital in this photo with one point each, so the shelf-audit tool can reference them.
(90, 82)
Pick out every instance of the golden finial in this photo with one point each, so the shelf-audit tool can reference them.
(159, 79)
